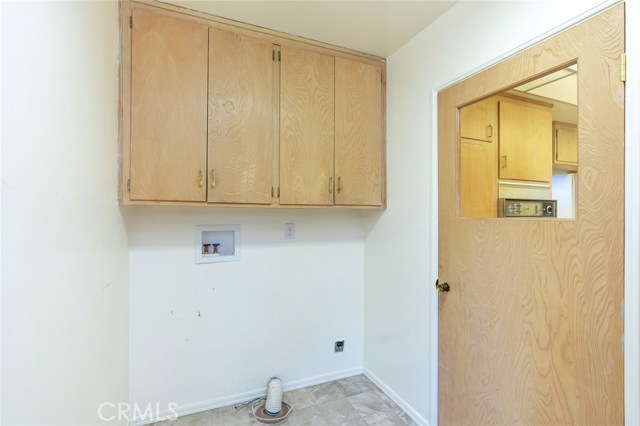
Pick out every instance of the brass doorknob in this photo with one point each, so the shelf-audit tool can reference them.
(444, 287)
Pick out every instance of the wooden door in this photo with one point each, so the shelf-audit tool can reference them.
(169, 62)
(531, 331)
(240, 119)
(306, 127)
(359, 134)
(525, 141)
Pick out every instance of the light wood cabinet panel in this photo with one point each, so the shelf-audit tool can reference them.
(306, 127)
(478, 178)
(219, 112)
(565, 146)
(479, 120)
(525, 142)
(358, 139)
(240, 119)
(168, 108)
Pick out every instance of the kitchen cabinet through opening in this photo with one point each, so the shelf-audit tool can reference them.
(518, 150)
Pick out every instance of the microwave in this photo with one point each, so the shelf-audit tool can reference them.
(512, 207)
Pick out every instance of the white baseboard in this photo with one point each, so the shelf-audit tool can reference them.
(184, 410)
(411, 412)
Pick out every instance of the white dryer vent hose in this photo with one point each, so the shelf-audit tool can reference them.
(271, 410)
(273, 406)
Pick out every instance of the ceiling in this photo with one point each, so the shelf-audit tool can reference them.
(561, 85)
(376, 27)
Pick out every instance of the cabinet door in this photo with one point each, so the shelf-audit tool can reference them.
(565, 146)
(168, 108)
(359, 139)
(479, 120)
(478, 178)
(306, 127)
(240, 119)
(525, 142)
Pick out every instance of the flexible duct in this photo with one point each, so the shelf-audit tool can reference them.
(273, 406)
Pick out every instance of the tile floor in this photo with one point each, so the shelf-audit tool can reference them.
(354, 401)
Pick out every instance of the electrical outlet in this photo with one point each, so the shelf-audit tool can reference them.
(338, 346)
(289, 231)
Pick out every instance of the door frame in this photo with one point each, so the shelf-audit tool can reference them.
(631, 349)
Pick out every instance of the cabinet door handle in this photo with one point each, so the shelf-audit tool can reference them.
(490, 131)
(213, 178)
(201, 176)
(503, 163)
(331, 185)
(339, 186)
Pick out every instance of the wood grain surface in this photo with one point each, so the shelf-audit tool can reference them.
(358, 138)
(306, 127)
(174, 40)
(531, 331)
(240, 119)
(168, 108)
(565, 146)
(525, 142)
(254, 31)
(124, 101)
(480, 120)
(478, 178)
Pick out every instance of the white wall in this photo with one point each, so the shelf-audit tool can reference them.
(65, 283)
(207, 335)
(1, 222)
(399, 284)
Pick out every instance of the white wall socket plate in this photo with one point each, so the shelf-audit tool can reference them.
(289, 231)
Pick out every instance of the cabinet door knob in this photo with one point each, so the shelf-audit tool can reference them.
(331, 185)
(201, 176)
(503, 162)
(213, 178)
(339, 186)
(490, 131)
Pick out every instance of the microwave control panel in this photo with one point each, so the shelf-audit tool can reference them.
(509, 207)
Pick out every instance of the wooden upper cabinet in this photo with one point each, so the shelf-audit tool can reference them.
(213, 112)
(525, 141)
(565, 146)
(478, 179)
(168, 108)
(306, 127)
(240, 119)
(479, 120)
(359, 133)
(479, 159)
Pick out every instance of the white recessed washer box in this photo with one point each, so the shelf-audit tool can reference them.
(217, 243)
